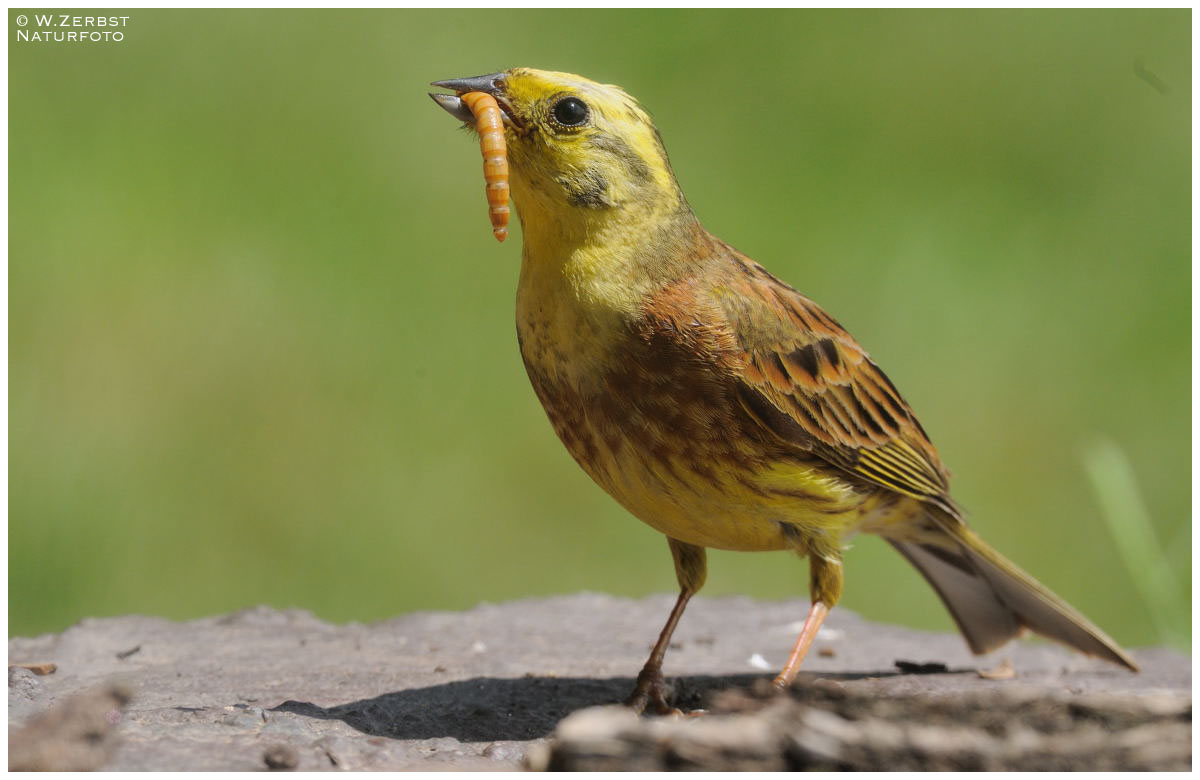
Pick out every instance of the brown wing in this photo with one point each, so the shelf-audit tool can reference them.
(809, 382)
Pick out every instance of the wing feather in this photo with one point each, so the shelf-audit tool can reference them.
(809, 382)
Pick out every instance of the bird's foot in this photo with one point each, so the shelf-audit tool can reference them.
(651, 694)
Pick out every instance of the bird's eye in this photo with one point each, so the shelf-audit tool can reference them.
(570, 112)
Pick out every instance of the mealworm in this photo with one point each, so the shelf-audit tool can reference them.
(490, 126)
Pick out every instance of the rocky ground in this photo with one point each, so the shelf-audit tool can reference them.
(487, 688)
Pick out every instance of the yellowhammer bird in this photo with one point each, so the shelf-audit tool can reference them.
(713, 401)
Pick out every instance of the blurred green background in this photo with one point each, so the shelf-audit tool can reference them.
(262, 345)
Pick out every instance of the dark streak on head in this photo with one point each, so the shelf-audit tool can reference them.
(587, 191)
(623, 152)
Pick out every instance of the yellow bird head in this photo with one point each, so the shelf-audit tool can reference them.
(578, 150)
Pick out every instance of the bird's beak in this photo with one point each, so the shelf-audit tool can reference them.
(492, 84)
(454, 107)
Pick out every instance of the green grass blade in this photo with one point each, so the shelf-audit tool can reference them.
(1124, 511)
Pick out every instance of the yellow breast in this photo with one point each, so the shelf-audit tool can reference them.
(659, 431)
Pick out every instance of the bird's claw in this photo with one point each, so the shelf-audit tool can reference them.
(651, 695)
(651, 692)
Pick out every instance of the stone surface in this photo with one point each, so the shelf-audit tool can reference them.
(478, 689)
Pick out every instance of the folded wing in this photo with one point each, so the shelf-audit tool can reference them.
(808, 381)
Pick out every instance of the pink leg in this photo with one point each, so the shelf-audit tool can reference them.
(812, 624)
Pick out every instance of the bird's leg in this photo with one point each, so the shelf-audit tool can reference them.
(812, 624)
(651, 689)
(826, 589)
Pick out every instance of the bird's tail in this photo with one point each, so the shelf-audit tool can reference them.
(992, 600)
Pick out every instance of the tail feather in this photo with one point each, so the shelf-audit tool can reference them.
(985, 622)
(993, 601)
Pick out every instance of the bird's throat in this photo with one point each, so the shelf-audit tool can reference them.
(583, 287)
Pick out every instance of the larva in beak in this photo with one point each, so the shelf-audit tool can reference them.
(490, 124)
